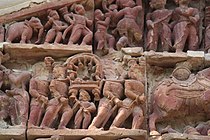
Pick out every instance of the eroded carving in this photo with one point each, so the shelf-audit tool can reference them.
(2, 33)
(134, 92)
(103, 40)
(185, 26)
(23, 31)
(127, 27)
(113, 92)
(158, 26)
(39, 91)
(58, 105)
(19, 97)
(57, 26)
(79, 26)
(207, 30)
(183, 94)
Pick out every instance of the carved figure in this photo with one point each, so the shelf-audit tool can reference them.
(39, 91)
(19, 94)
(207, 30)
(24, 30)
(56, 25)
(79, 26)
(49, 64)
(66, 15)
(127, 27)
(83, 115)
(113, 92)
(58, 104)
(185, 28)
(84, 67)
(158, 26)
(176, 96)
(203, 128)
(134, 91)
(124, 3)
(84, 71)
(207, 38)
(2, 33)
(102, 38)
(108, 4)
(136, 71)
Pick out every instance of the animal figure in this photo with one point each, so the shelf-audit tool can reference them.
(176, 97)
(24, 30)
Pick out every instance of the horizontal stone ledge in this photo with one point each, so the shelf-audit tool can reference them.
(19, 51)
(176, 136)
(78, 134)
(12, 133)
(166, 59)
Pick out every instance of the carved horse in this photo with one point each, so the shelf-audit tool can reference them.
(174, 98)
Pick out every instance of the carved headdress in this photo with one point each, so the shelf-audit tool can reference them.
(182, 71)
(183, 1)
(157, 3)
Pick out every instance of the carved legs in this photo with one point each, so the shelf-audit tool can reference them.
(66, 117)
(35, 115)
(50, 116)
(88, 35)
(193, 39)
(122, 42)
(111, 41)
(180, 33)
(152, 120)
(152, 39)
(76, 34)
(122, 115)
(86, 120)
(100, 118)
(50, 36)
(78, 119)
(138, 117)
(58, 38)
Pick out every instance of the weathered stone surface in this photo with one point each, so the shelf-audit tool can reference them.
(12, 6)
(37, 10)
(38, 52)
(135, 51)
(76, 134)
(164, 59)
(16, 134)
(174, 136)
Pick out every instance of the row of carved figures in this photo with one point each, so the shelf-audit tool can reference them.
(117, 24)
(56, 30)
(61, 102)
(167, 30)
(57, 101)
(81, 107)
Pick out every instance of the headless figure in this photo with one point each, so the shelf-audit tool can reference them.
(39, 90)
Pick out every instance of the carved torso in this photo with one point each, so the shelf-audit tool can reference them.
(60, 86)
(79, 19)
(162, 15)
(42, 87)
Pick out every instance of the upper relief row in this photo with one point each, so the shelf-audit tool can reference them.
(173, 26)
(69, 23)
(157, 25)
